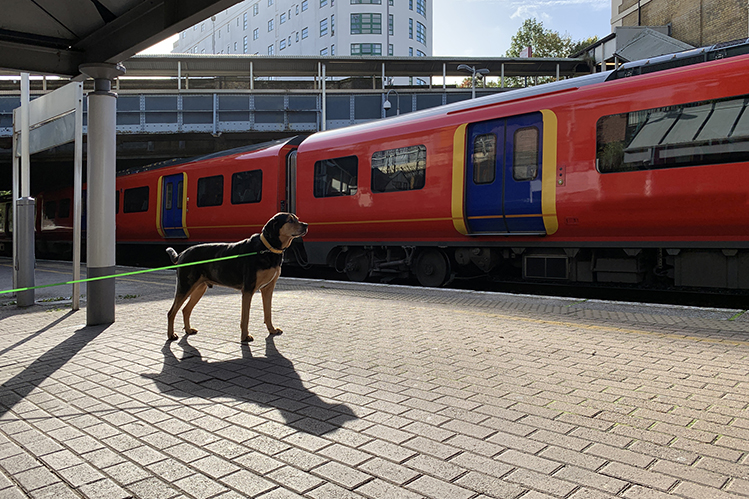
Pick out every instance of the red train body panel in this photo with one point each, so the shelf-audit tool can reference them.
(584, 180)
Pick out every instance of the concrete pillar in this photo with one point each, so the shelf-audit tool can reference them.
(100, 190)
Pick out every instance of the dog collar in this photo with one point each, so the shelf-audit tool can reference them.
(267, 245)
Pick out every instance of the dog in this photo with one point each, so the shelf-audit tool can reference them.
(258, 270)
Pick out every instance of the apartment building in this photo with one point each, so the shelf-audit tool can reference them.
(315, 27)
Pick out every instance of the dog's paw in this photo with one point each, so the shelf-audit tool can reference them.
(191, 331)
(172, 337)
(276, 331)
(247, 339)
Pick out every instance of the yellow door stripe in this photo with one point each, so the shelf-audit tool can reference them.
(159, 229)
(549, 172)
(459, 168)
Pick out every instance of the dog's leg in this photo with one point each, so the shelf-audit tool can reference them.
(196, 294)
(246, 301)
(267, 293)
(179, 299)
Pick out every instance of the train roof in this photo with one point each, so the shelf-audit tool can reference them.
(296, 140)
(635, 68)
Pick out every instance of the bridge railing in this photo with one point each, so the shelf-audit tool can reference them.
(227, 111)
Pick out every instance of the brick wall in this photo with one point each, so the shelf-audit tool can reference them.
(696, 22)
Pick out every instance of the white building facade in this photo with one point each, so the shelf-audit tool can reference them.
(315, 27)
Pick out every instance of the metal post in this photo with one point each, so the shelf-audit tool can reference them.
(25, 157)
(77, 202)
(179, 75)
(557, 71)
(24, 211)
(324, 102)
(252, 76)
(101, 186)
(444, 76)
(502, 77)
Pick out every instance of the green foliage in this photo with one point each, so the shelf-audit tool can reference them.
(544, 43)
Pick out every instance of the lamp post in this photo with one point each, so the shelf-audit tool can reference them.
(386, 105)
(475, 73)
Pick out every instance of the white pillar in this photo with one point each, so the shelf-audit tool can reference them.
(324, 102)
(100, 190)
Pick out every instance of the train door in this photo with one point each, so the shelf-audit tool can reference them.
(503, 176)
(172, 205)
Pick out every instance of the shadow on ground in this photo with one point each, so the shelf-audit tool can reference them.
(270, 381)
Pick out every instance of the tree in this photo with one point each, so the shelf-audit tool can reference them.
(544, 43)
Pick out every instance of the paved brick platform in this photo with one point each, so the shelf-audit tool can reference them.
(373, 392)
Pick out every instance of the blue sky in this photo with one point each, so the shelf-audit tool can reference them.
(483, 28)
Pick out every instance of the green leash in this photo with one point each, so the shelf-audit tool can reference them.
(128, 273)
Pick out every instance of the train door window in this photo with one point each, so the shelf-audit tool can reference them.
(525, 157)
(168, 195)
(401, 169)
(484, 158)
(247, 187)
(179, 195)
(211, 191)
(64, 208)
(336, 177)
(135, 200)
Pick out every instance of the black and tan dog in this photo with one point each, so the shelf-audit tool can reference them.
(257, 271)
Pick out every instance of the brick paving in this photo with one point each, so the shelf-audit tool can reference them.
(373, 392)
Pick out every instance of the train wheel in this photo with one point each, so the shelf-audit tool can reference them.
(432, 268)
(357, 265)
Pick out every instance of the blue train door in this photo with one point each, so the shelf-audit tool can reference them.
(503, 176)
(172, 209)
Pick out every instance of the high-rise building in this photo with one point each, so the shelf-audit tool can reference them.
(315, 27)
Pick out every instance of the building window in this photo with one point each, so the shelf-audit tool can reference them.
(323, 3)
(419, 53)
(324, 27)
(324, 51)
(270, 25)
(247, 187)
(411, 29)
(401, 169)
(421, 7)
(375, 2)
(410, 4)
(390, 24)
(336, 177)
(297, 37)
(305, 33)
(270, 2)
(332, 50)
(390, 49)
(410, 51)
(366, 49)
(282, 44)
(366, 24)
(244, 21)
(235, 46)
(421, 33)
(332, 24)
(202, 26)
(255, 9)
(255, 33)
(211, 191)
(282, 18)
(271, 49)
(305, 5)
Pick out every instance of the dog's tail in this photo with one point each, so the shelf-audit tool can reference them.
(172, 254)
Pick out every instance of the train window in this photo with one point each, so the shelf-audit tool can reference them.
(135, 200)
(484, 158)
(169, 195)
(525, 157)
(247, 187)
(50, 210)
(698, 133)
(179, 195)
(211, 191)
(401, 169)
(336, 177)
(64, 211)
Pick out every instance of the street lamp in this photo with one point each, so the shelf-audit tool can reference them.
(386, 105)
(475, 74)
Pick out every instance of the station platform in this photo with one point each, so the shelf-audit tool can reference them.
(372, 391)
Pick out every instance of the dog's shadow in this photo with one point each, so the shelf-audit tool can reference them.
(264, 382)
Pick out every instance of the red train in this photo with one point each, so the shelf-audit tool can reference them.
(632, 176)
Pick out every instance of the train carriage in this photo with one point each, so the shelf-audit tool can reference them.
(604, 178)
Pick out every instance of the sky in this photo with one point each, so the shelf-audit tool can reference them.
(484, 28)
